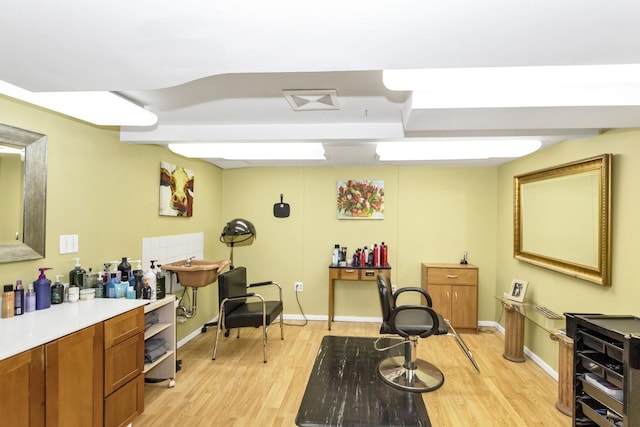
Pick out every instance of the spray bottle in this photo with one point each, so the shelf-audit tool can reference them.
(57, 291)
(43, 290)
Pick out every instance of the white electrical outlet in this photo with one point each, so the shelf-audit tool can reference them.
(298, 286)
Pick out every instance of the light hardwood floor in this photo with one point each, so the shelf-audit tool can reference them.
(238, 389)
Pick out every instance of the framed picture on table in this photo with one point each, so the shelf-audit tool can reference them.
(517, 290)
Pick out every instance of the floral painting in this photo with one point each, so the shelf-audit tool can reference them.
(360, 199)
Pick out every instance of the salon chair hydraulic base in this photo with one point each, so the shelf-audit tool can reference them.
(422, 378)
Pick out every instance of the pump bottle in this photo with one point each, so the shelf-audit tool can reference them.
(77, 276)
(43, 290)
(149, 282)
(18, 296)
(125, 269)
(138, 277)
(160, 283)
(57, 291)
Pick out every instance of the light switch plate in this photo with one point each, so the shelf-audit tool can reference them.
(68, 244)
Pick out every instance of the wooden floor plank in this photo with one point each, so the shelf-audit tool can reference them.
(238, 389)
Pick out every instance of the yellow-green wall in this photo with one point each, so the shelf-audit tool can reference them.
(107, 193)
(560, 292)
(432, 214)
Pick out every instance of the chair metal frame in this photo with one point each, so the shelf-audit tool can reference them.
(265, 326)
(410, 373)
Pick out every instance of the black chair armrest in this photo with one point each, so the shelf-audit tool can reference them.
(260, 284)
(413, 289)
(250, 294)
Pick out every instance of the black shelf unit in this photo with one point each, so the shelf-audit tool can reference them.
(606, 362)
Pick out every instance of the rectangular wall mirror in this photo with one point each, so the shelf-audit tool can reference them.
(562, 219)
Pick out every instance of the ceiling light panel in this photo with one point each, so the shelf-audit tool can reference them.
(455, 149)
(251, 150)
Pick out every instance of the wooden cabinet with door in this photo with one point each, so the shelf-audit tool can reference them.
(454, 291)
(74, 379)
(22, 389)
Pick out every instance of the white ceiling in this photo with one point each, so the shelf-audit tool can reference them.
(215, 70)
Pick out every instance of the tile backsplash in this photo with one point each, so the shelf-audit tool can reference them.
(167, 249)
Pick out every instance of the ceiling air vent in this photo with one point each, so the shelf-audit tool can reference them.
(312, 99)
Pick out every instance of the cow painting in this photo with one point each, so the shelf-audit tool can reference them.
(176, 190)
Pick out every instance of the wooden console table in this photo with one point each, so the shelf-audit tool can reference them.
(515, 315)
(353, 274)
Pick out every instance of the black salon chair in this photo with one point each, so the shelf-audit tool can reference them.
(411, 322)
(242, 308)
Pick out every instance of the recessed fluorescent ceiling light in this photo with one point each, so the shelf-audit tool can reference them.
(251, 150)
(573, 85)
(99, 108)
(454, 149)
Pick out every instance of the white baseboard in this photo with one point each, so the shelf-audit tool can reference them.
(534, 357)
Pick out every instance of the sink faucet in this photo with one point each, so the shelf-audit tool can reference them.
(188, 262)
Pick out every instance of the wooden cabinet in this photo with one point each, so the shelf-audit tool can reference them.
(74, 379)
(123, 366)
(163, 368)
(22, 389)
(454, 291)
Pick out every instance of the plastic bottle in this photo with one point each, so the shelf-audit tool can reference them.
(30, 299)
(77, 276)
(149, 282)
(8, 302)
(383, 255)
(160, 283)
(118, 272)
(125, 269)
(42, 287)
(376, 255)
(18, 296)
(111, 286)
(138, 277)
(336, 254)
(100, 286)
(57, 291)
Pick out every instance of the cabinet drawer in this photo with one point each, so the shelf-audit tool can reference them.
(452, 276)
(123, 327)
(369, 274)
(349, 274)
(123, 362)
(125, 404)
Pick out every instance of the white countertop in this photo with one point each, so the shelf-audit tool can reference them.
(21, 333)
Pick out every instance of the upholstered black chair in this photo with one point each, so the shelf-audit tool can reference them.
(411, 322)
(241, 308)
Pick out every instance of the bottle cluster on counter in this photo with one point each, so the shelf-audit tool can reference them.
(367, 256)
(124, 282)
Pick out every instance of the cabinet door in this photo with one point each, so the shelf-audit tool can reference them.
(22, 389)
(441, 297)
(74, 378)
(464, 307)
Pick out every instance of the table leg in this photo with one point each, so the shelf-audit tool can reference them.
(565, 373)
(331, 286)
(513, 335)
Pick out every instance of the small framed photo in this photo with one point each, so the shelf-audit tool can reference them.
(517, 290)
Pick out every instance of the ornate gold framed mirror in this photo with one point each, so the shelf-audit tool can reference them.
(562, 218)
